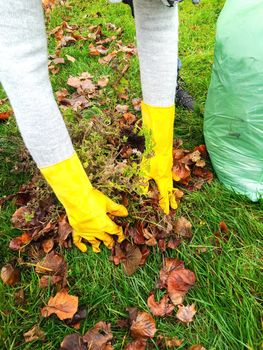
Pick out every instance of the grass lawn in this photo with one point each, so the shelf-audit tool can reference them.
(227, 292)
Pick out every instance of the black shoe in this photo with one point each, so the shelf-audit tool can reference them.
(183, 98)
(130, 3)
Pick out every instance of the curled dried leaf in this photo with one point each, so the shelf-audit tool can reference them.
(99, 337)
(143, 326)
(178, 284)
(161, 308)
(10, 275)
(34, 334)
(183, 227)
(138, 344)
(186, 313)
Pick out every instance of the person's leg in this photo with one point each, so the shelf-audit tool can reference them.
(183, 98)
(24, 76)
(157, 40)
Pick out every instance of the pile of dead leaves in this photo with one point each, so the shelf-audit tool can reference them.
(189, 167)
(147, 233)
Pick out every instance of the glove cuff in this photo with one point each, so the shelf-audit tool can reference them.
(68, 180)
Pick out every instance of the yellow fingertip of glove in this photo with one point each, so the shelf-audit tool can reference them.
(82, 247)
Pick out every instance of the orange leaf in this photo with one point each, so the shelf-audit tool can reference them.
(143, 326)
(5, 115)
(186, 313)
(62, 304)
(161, 308)
(178, 284)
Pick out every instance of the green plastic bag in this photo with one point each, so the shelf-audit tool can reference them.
(233, 125)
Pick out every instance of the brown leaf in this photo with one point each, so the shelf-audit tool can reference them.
(10, 275)
(223, 227)
(64, 230)
(21, 217)
(178, 284)
(48, 245)
(170, 264)
(70, 58)
(62, 304)
(19, 297)
(181, 171)
(107, 59)
(129, 118)
(46, 281)
(99, 337)
(73, 342)
(18, 242)
(186, 313)
(54, 265)
(34, 334)
(183, 227)
(161, 308)
(122, 108)
(132, 260)
(197, 347)
(169, 342)
(136, 102)
(59, 60)
(74, 82)
(103, 81)
(138, 344)
(143, 326)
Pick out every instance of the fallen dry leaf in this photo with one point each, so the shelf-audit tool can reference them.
(19, 297)
(169, 342)
(34, 334)
(48, 245)
(6, 115)
(10, 275)
(183, 227)
(73, 342)
(186, 313)
(103, 81)
(52, 265)
(99, 337)
(62, 304)
(197, 347)
(178, 284)
(161, 308)
(138, 344)
(132, 259)
(170, 264)
(18, 242)
(143, 326)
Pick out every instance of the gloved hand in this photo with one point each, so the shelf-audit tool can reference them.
(158, 124)
(86, 207)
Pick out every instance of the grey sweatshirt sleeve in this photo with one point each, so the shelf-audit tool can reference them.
(157, 42)
(24, 76)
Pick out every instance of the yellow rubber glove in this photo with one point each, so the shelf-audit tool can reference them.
(158, 124)
(86, 207)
